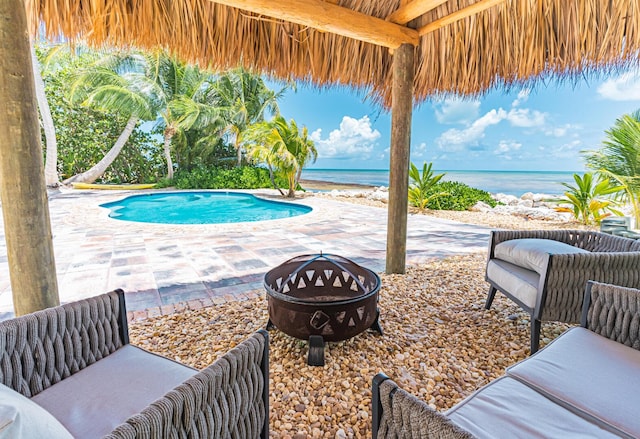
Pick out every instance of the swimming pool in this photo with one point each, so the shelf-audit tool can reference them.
(200, 208)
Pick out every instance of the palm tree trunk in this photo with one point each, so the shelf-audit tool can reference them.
(25, 207)
(273, 180)
(239, 151)
(99, 168)
(635, 204)
(167, 155)
(292, 186)
(298, 176)
(51, 161)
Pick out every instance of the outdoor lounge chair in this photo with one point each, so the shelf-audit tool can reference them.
(545, 272)
(75, 362)
(583, 384)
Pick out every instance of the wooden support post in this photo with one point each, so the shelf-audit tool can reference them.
(23, 193)
(401, 107)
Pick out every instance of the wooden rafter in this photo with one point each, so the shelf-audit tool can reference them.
(413, 10)
(328, 17)
(458, 15)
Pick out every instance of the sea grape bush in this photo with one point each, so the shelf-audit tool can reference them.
(246, 177)
(457, 196)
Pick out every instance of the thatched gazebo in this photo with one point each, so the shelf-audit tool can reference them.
(400, 51)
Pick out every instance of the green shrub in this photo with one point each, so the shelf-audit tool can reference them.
(457, 196)
(588, 198)
(420, 193)
(246, 177)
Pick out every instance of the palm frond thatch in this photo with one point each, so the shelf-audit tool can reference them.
(513, 43)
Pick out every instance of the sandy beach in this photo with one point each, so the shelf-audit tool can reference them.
(317, 185)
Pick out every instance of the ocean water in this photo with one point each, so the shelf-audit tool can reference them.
(506, 182)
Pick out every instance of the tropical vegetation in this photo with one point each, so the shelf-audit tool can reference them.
(245, 177)
(619, 159)
(97, 102)
(589, 200)
(426, 191)
(421, 185)
(83, 135)
(457, 196)
(246, 100)
(284, 148)
(151, 86)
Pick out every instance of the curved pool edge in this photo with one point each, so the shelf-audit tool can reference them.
(264, 195)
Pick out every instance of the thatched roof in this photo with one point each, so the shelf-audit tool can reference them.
(509, 42)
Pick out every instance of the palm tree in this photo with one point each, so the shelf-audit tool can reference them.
(51, 146)
(619, 158)
(186, 99)
(244, 98)
(283, 148)
(151, 86)
(115, 84)
(51, 62)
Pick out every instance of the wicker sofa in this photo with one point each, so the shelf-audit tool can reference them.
(545, 271)
(76, 364)
(586, 383)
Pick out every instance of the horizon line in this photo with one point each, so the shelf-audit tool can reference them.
(445, 170)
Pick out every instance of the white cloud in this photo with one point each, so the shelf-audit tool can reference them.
(526, 118)
(625, 87)
(354, 138)
(455, 139)
(419, 151)
(523, 96)
(470, 137)
(563, 131)
(453, 110)
(507, 146)
(567, 151)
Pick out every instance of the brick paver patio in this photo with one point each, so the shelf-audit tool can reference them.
(166, 268)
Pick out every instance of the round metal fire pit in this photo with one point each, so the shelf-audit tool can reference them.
(322, 298)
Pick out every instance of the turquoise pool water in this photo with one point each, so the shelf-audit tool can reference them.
(200, 208)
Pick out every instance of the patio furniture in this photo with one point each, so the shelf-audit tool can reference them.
(583, 384)
(545, 271)
(615, 223)
(619, 226)
(75, 362)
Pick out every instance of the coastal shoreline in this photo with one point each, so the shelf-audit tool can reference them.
(514, 183)
(319, 185)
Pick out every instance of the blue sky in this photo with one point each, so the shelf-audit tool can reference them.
(540, 129)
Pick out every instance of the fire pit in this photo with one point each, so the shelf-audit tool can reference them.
(322, 298)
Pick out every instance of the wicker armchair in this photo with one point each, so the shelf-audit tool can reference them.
(545, 272)
(582, 385)
(76, 362)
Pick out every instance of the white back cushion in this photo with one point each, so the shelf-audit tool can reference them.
(22, 418)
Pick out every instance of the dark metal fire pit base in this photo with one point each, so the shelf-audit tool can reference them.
(315, 357)
(316, 351)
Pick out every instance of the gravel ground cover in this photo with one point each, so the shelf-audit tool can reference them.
(439, 343)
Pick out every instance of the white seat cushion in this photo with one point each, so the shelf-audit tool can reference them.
(596, 376)
(518, 282)
(95, 400)
(532, 254)
(22, 418)
(506, 408)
